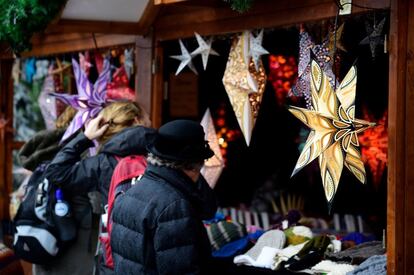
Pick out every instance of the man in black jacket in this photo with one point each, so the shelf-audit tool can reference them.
(157, 224)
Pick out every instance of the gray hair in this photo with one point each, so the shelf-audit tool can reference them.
(179, 165)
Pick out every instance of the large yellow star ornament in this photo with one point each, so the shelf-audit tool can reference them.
(334, 128)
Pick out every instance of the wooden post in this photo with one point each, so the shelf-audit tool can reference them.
(158, 85)
(400, 216)
(143, 75)
(6, 159)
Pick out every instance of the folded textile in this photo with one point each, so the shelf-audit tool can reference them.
(358, 238)
(237, 247)
(374, 265)
(357, 254)
(332, 268)
(311, 254)
(263, 252)
(284, 254)
(224, 232)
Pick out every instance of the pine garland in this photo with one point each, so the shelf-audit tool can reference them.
(240, 5)
(20, 19)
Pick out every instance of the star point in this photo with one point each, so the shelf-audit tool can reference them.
(185, 59)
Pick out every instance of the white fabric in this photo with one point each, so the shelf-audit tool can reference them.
(265, 259)
(332, 268)
(301, 230)
(47, 240)
(284, 254)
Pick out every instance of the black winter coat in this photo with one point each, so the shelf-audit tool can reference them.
(157, 225)
(94, 173)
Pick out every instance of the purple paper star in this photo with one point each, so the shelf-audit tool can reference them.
(322, 56)
(90, 99)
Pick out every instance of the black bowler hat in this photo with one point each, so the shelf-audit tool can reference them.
(181, 140)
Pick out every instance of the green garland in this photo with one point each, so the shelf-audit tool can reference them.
(240, 5)
(20, 19)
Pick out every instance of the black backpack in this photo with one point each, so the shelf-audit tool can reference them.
(40, 235)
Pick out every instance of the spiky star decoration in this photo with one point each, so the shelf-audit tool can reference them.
(204, 49)
(375, 37)
(185, 59)
(322, 54)
(129, 62)
(90, 98)
(256, 48)
(213, 166)
(334, 129)
(244, 84)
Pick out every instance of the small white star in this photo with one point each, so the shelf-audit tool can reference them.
(256, 49)
(204, 48)
(185, 59)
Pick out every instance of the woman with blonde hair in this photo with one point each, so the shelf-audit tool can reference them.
(121, 130)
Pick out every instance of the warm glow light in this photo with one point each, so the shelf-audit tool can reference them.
(283, 73)
(221, 141)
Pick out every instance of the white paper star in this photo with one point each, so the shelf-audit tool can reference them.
(213, 167)
(185, 59)
(256, 49)
(204, 48)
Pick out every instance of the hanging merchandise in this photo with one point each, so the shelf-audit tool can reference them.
(185, 59)
(375, 37)
(42, 69)
(90, 99)
(322, 56)
(99, 60)
(16, 71)
(129, 62)
(244, 85)
(256, 48)
(119, 88)
(374, 147)
(30, 69)
(85, 62)
(335, 40)
(204, 48)
(334, 129)
(47, 102)
(61, 69)
(213, 166)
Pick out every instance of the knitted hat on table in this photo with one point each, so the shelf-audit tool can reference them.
(298, 234)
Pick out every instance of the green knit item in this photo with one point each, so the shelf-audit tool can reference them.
(240, 5)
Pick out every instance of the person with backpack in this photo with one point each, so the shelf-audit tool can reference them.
(157, 224)
(121, 130)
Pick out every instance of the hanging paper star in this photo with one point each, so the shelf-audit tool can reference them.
(30, 69)
(244, 85)
(374, 147)
(338, 35)
(334, 129)
(119, 87)
(47, 102)
(374, 37)
(204, 48)
(129, 62)
(322, 55)
(84, 62)
(90, 99)
(213, 166)
(185, 59)
(256, 48)
(42, 69)
(61, 69)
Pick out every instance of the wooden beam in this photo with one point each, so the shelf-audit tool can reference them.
(157, 86)
(409, 145)
(166, 2)
(80, 42)
(143, 74)
(400, 193)
(89, 26)
(208, 21)
(6, 161)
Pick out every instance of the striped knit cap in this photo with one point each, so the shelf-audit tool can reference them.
(224, 232)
